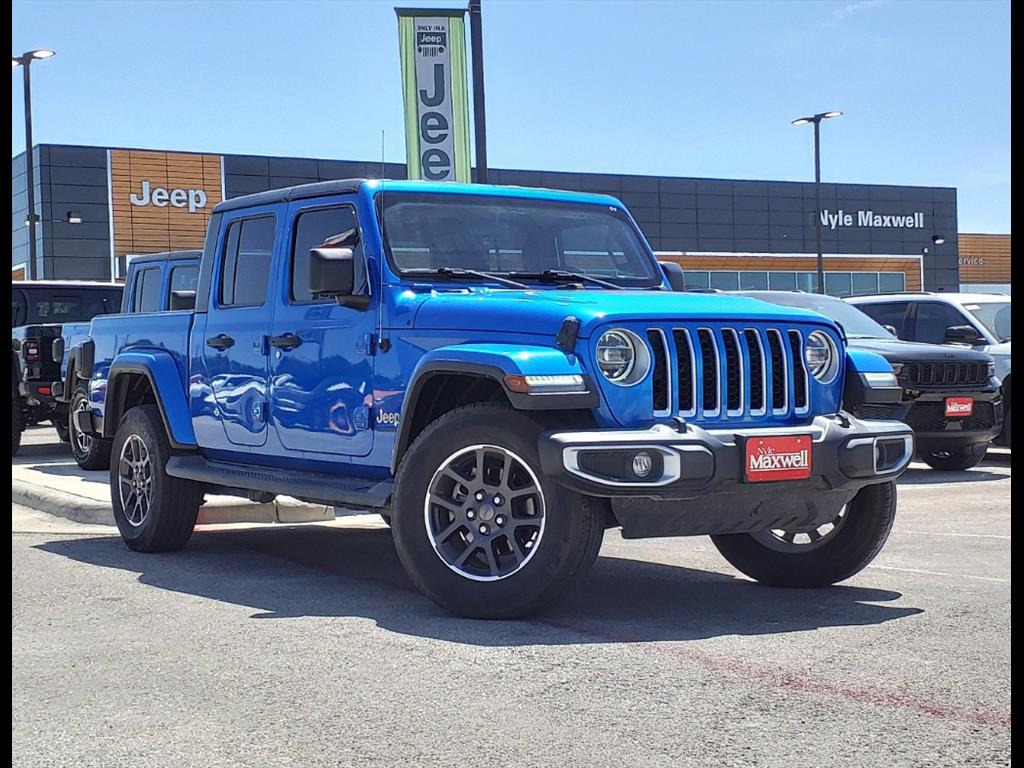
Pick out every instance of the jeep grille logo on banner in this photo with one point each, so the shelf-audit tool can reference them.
(432, 46)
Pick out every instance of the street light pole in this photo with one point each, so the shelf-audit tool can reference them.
(25, 62)
(816, 120)
(476, 35)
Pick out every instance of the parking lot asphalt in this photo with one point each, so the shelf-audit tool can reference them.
(307, 646)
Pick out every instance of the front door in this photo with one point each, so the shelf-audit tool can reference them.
(235, 348)
(321, 354)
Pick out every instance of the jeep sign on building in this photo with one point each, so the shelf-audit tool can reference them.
(100, 206)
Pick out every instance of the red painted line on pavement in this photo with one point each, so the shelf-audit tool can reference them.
(877, 696)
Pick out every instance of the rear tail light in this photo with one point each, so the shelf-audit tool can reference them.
(30, 350)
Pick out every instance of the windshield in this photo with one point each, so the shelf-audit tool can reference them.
(60, 304)
(995, 316)
(855, 323)
(511, 236)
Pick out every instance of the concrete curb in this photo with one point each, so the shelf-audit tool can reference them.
(217, 509)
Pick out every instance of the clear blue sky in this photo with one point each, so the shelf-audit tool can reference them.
(681, 88)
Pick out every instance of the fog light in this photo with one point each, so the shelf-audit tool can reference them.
(642, 464)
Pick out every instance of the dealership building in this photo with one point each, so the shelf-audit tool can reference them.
(98, 207)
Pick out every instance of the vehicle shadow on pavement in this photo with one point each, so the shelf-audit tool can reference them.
(333, 572)
(914, 476)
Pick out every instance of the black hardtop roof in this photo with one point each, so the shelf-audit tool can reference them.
(287, 194)
(166, 256)
(64, 284)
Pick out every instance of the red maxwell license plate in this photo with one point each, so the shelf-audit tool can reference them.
(786, 457)
(959, 406)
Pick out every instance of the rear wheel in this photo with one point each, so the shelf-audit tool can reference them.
(955, 459)
(60, 425)
(89, 452)
(822, 556)
(478, 528)
(154, 512)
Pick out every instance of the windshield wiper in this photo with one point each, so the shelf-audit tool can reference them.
(456, 272)
(562, 275)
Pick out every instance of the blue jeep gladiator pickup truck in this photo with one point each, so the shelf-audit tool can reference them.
(503, 373)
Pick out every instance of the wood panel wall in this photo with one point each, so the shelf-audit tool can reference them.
(909, 266)
(150, 228)
(984, 258)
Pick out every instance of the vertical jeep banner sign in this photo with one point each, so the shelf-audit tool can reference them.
(432, 46)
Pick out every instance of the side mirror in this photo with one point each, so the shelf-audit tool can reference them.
(963, 334)
(182, 300)
(891, 329)
(674, 273)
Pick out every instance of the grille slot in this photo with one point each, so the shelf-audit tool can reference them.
(684, 370)
(755, 353)
(778, 362)
(799, 371)
(660, 366)
(709, 371)
(733, 371)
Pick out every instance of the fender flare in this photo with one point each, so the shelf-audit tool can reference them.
(495, 362)
(162, 372)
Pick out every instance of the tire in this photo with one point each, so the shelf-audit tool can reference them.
(17, 425)
(163, 520)
(60, 426)
(955, 459)
(854, 542)
(89, 452)
(386, 518)
(556, 533)
(1004, 436)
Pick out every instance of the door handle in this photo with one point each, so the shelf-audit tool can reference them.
(287, 341)
(221, 341)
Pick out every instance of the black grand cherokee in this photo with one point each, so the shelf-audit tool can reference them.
(950, 396)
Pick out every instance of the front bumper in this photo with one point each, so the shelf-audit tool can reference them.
(697, 484)
(924, 411)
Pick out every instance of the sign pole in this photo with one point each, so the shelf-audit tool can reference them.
(479, 118)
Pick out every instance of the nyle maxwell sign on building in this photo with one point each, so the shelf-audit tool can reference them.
(432, 46)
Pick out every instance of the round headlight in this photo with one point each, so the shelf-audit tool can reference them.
(622, 357)
(821, 357)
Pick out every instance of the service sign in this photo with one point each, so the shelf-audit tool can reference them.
(433, 53)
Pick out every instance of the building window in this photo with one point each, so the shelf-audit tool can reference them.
(782, 281)
(807, 282)
(838, 283)
(696, 279)
(891, 282)
(753, 281)
(725, 281)
(865, 282)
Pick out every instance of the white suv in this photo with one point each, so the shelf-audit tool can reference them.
(978, 320)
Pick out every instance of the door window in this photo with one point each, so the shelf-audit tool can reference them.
(933, 318)
(889, 313)
(245, 264)
(147, 291)
(322, 228)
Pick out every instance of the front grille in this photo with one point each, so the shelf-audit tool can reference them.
(931, 417)
(728, 372)
(930, 374)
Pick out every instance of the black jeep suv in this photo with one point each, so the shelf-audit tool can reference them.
(39, 310)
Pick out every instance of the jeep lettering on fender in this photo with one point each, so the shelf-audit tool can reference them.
(516, 378)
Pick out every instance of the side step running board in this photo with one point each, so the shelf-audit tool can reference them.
(307, 486)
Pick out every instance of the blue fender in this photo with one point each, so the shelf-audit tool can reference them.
(162, 371)
(862, 361)
(495, 362)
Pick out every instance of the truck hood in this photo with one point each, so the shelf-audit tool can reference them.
(542, 311)
(898, 351)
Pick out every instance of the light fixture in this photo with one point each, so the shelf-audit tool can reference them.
(938, 239)
(42, 53)
(833, 113)
(74, 217)
(802, 121)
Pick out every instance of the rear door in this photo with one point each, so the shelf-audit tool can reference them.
(234, 343)
(321, 357)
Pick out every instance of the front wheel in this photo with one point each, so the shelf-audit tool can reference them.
(476, 525)
(955, 459)
(154, 512)
(60, 426)
(821, 556)
(89, 452)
